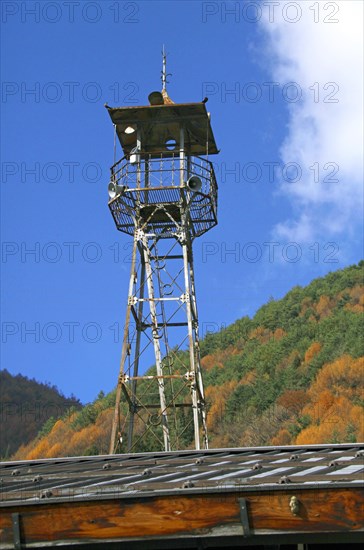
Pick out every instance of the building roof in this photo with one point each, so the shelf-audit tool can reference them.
(211, 470)
(208, 493)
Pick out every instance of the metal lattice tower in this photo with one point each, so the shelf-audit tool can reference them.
(163, 193)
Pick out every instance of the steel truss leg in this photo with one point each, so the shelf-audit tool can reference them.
(173, 308)
(125, 349)
(197, 394)
(156, 343)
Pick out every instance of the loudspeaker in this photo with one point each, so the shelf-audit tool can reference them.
(194, 183)
(114, 189)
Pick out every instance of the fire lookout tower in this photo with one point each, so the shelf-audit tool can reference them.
(163, 193)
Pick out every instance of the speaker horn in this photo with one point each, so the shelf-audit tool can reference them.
(113, 189)
(194, 184)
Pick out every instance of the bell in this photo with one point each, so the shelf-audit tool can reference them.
(156, 98)
(194, 184)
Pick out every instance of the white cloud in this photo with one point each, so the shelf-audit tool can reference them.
(319, 130)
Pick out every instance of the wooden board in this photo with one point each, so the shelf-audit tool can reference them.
(210, 515)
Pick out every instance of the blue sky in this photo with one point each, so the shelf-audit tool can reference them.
(284, 84)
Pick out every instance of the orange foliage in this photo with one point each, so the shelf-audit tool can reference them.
(342, 377)
(279, 333)
(288, 360)
(312, 351)
(283, 437)
(55, 451)
(40, 450)
(210, 361)
(305, 305)
(357, 294)
(356, 303)
(341, 421)
(64, 440)
(324, 306)
(217, 396)
(218, 358)
(80, 440)
(333, 409)
(357, 308)
(249, 378)
(293, 400)
(262, 334)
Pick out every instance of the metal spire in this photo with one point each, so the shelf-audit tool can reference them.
(164, 70)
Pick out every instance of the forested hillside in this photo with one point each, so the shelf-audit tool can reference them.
(25, 405)
(292, 374)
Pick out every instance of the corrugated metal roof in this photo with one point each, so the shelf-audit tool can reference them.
(133, 475)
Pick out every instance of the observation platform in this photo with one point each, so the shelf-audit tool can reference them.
(155, 195)
(164, 145)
